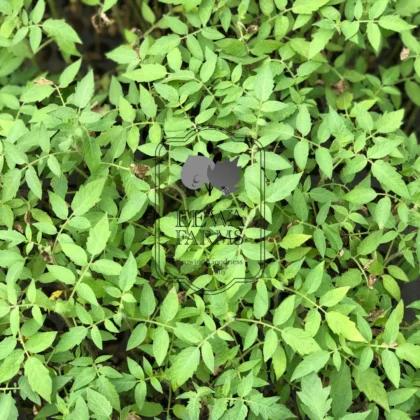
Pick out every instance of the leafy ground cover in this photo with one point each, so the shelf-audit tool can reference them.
(316, 98)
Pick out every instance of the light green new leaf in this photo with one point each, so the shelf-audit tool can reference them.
(128, 274)
(264, 84)
(87, 196)
(40, 342)
(76, 253)
(284, 311)
(184, 366)
(390, 179)
(84, 91)
(38, 377)
(169, 307)
(282, 188)
(300, 341)
(342, 325)
(132, 206)
(271, 342)
(314, 362)
(382, 212)
(409, 352)
(33, 182)
(315, 397)
(147, 300)
(332, 297)
(147, 73)
(392, 367)
(294, 240)
(160, 344)
(303, 120)
(98, 236)
(314, 278)
(207, 355)
(261, 299)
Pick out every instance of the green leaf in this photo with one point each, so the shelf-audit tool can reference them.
(169, 307)
(314, 278)
(303, 121)
(147, 103)
(38, 377)
(98, 404)
(132, 206)
(390, 179)
(342, 325)
(394, 23)
(137, 336)
(11, 182)
(299, 340)
(341, 390)
(128, 274)
(392, 367)
(11, 365)
(307, 6)
(332, 297)
(33, 182)
(207, 355)
(284, 311)
(76, 253)
(361, 195)
(98, 236)
(184, 366)
(71, 339)
(86, 293)
(84, 91)
(163, 46)
(264, 84)
(147, 300)
(140, 394)
(315, 397)
(261, 299)
(108, 267)
(271, 342)
(382, 212)
(370, 243)
(37, 93)
(293, 240)
(382, 148)
(127, 112)
(371, 385)
(233, 47)
(301, 153)
(282, 188)
(147, 73)
(374, 35)
(40, 342)
(87, 196)
(38, 11)
(393, 323)
(390, 122)
(160, 344)
(400, 396)
(250, 336)
(409, 352)
(59, 206)
(69, 74)
(314, 362)
(176, 25)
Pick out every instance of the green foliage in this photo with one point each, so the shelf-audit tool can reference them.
(320, 98)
